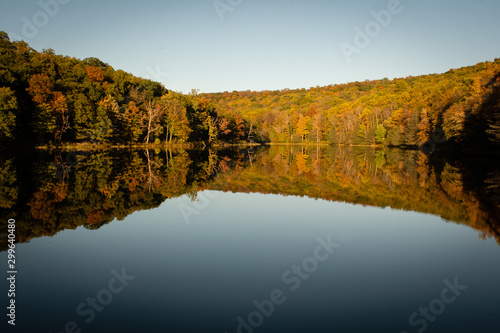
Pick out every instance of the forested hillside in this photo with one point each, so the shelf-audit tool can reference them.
(464, 103)
(51, 99)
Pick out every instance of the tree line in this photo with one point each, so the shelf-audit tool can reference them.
(463, 103)
(51, 99)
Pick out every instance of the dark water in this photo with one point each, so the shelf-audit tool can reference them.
(281, 239)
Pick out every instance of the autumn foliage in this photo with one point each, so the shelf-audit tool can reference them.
(399, 112)
(50, 99)
(102, 186)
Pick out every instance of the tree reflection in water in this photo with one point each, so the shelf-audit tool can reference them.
(48, 192)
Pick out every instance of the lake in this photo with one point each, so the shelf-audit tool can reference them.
(264, 239)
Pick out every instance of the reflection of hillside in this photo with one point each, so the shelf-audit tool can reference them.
(65, 191)
(53, 192)
(400, 179)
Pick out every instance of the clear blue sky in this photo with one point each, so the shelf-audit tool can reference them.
(261, 44)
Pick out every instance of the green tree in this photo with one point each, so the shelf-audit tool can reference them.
(45, 121)
(380, 134)
(8, 109)
(94, 124)
(131, 122)
(102, 128)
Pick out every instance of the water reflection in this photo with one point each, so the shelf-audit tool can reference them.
(279, 239)
(51, 191)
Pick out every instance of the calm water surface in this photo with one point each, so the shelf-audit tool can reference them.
(239, 245)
